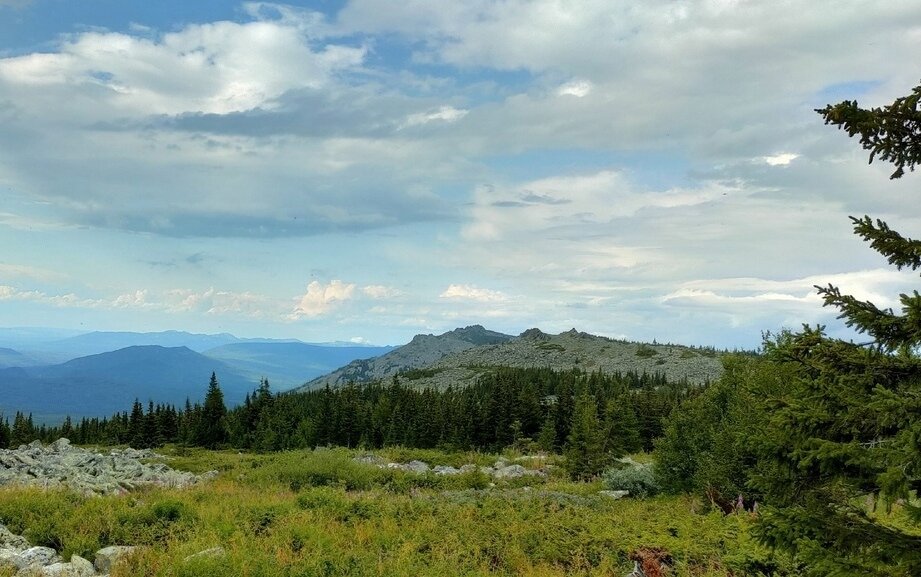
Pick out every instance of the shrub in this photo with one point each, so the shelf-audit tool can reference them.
(645, 352)
(640, 480)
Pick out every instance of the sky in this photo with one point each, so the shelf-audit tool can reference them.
(366, 170)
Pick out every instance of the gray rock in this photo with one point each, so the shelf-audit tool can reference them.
(8, 540)
(107, 557)
(614, 494)
(36, 556)
(445, 470)
(510, 472)
(6, 558)
(212, 553)
(60, 446)
(61, 464)
(78, 567)
(416, 467)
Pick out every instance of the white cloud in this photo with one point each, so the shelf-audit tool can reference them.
(381, 292)
(782, 159)
(218, 67)
(577, 88)
(472, 293)
(446, 114)
(320, 299)
(572, 201)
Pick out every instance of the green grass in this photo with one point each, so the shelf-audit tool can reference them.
(311, 513)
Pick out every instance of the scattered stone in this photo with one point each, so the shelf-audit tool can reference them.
(61, 464)
(614, 494)
(109, 556)
(78, 567)
(416, 467)
(36, 556)
(10, 541)
(212, 553)
(501, 470)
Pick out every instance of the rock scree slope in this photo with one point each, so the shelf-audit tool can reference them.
(458, 357)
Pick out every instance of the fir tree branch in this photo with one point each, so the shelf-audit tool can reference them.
(900, 251)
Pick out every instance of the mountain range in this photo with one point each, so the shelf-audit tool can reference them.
(99, 373)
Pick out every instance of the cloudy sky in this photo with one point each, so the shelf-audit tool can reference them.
(368, 170)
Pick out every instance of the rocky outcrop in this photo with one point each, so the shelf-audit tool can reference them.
(60, 464)
(501, 469)
(18, 556)
(458, 357)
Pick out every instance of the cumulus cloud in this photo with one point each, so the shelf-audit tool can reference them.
(381, 292)
(577, 88)
(782, 159)
(320, 299)
(472, 293)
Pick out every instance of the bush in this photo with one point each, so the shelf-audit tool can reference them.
(640, 480)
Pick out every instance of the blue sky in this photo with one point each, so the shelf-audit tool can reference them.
(368, 170)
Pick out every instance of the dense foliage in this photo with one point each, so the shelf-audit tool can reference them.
(592, 416)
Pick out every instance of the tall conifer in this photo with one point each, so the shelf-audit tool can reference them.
(846, 431)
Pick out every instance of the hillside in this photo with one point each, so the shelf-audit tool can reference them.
(99, 385)
(290, 364)
(459, 356)
(12, 358)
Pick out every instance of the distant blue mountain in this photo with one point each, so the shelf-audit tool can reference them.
(287, 365)
(101, 384)
(11, 358)
(66, 346)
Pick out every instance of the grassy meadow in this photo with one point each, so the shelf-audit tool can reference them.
(312, 513)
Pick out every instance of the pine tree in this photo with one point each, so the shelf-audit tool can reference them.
(211, 427)
(5, 433)
(584, 451)
(546, 438)
(621, 428)
(136, 425)
(847, 429)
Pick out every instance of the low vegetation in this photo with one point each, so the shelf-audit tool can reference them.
(322, 513)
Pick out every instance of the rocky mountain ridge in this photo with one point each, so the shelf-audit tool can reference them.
(458, 357)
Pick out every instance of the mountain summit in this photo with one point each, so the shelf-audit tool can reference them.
(457, 357)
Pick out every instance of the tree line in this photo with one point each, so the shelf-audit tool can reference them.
(542, 409)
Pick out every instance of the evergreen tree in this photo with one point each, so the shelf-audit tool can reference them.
(584, 451)
(5, 433)
(546, 438)
(211, 429)
(23, 431)
(621, 428)
(849, 424)
(136, 426)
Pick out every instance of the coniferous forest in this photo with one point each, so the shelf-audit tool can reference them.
(528, 407)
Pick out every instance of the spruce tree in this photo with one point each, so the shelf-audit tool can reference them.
(584, 451)
(844, 436)
(211, 427)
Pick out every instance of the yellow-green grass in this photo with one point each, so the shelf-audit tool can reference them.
(319, 513)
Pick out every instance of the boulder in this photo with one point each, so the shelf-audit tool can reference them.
(107, 557)
(36, 556)
(416, 467)
(78, 567)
